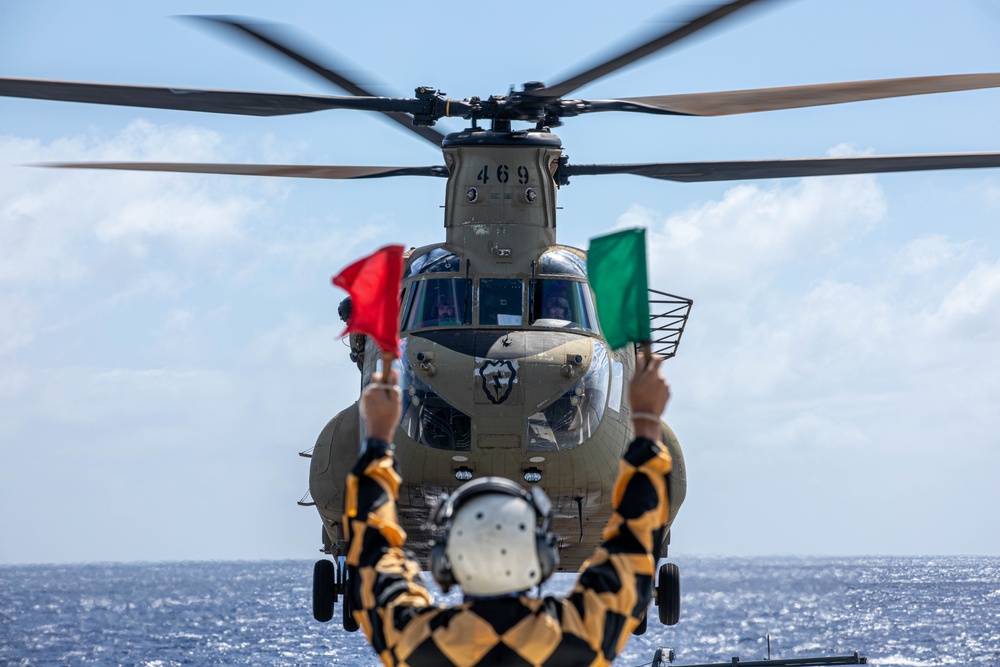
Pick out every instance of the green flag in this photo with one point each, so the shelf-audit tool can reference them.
(616, 268)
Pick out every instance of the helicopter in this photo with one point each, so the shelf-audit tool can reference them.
(497, 271)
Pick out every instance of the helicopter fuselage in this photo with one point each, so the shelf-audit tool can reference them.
(504, 371)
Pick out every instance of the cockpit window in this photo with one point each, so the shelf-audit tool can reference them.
(437, 260)
(500, 302)
(560, 262)
(439, 302)
(566, 304)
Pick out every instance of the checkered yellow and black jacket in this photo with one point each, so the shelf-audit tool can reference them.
(587, 627)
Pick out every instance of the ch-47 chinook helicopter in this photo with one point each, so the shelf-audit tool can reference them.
(504, 368)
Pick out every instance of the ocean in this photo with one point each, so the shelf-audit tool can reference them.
(910, 612)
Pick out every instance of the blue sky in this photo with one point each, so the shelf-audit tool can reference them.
(168, 343)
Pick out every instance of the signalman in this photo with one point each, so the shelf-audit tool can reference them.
(496, 546)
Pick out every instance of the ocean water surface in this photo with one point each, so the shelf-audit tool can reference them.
(910, 612)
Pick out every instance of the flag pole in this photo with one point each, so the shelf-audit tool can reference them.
(647, 351)
(387, 359)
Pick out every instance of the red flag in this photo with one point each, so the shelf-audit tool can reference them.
(374, 283)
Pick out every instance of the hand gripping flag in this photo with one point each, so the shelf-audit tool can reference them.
(373, 283)
(616, 269)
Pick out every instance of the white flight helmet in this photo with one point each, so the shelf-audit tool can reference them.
(493, 543)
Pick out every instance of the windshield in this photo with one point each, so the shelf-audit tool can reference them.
(565, 304)
(500, 301)
(437, 303)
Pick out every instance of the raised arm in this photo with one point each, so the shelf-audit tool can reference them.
(615, 586)
(385, 586)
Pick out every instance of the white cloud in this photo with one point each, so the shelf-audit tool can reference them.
(17, 322)
(55, 225)
(843, 384)
(192, 219)
(973, 304)
(300, 343)
(736, 243)
(927, 254)
(991, 193)
(859, 351)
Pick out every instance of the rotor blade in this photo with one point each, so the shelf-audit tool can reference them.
(793, 97)
(195, 99)
(265, 34)
(695, 172)
(288, 170)
(675, 34)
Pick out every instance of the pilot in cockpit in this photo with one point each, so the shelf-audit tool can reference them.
(557, 308)
(444, 311)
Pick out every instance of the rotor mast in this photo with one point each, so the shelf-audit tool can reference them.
(501, 195)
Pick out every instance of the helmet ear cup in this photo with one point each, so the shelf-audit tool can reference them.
(440, 565)
(547, 546)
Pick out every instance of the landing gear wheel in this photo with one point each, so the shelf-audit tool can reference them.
(324, 590)
(350, 625)
(641, 628)
(668, 594)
